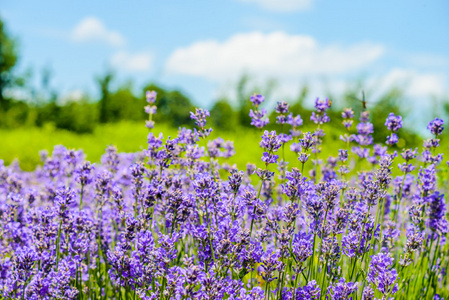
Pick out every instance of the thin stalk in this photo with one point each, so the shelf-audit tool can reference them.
(208, 227)
(324, 276)
(312, 257)
(174, 223)
(395, 217)
(322, 236)
(360, 239)
(233, 208)
(425, 255)
(81, 197)
(266, 290)
(58, 243)
(316, 154)
(378, 211)
(435, 255)
(254, 211)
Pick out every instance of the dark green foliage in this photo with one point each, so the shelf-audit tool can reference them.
(47, 113)
(79, 117)
(123, 105)
(173, 107)
(242, 98)
(8, 60)
(223, 116)
(17, 115)
(104, 83)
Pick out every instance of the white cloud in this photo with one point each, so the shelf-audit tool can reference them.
(74, 95)
(416, 84)
(92, 29)
(282, 5)
(71, 96)
(427, 60)
(132, 61)
(275, 55)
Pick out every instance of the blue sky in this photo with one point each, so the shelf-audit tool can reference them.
(203, 47)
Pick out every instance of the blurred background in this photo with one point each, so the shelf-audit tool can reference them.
(75, 73)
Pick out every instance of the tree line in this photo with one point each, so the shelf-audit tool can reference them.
(117, 102)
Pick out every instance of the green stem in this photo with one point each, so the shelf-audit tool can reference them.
(208, 233)
(435, 255)
(233, 208)
(322, 236)
(316, 154)
(312, 257)
(58, 243)
(324, 276)
(399, 199)
(81, 197)
(360, 239)
(173, 223)
(254, 211)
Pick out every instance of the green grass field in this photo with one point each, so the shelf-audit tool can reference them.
(24, 144)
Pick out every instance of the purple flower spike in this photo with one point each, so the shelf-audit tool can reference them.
(258, 118)
(392, 139)
(282, 108)
(436, 126)
(322, 105)
(341, 290)
(200, 116)
(347, 113)
(381, 275)
(257, 99)
(311, 291)
(151, 96)
(393, 123)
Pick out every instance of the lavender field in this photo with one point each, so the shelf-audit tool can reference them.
(177, 221)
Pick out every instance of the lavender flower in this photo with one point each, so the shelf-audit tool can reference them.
(271, 143)
(200, 116)
(258, 118)
(302, 247)
(347, 113)
(381, 275)
(282, 108)
(341, 290)
(257, 99)
(150, 109)
(392, 139)
(310, 291)
(436, 126)
(178, 220)
(393, 123)
(437, 214)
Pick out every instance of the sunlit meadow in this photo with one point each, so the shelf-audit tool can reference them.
(278, 215)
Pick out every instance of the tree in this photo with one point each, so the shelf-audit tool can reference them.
(104, 83)
(124, 105)
(243, 95)
(223, 116)
(172, 106)
(8, 60)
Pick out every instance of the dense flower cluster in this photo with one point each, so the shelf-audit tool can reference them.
(177, 221)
